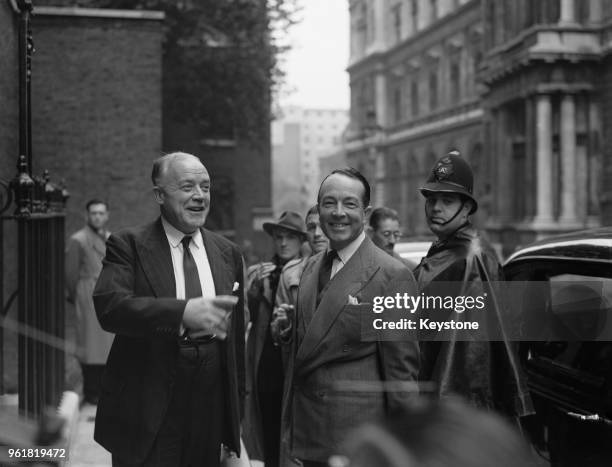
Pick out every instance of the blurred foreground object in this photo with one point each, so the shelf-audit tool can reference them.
(442, 434)
(52, 431)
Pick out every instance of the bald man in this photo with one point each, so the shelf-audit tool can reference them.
(172, 293)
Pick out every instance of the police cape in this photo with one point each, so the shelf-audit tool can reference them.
(485, 373)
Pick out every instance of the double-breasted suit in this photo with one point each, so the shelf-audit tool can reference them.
(327, 350)
(135, 298)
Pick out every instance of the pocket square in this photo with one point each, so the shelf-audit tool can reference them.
(353, 300)
(236, 287)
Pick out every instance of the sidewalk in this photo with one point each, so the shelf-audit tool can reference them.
(85, 451)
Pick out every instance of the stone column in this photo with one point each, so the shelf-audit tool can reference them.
(530, 159)
(568, 12)
(424, 14)
(595, 11)
(594, 164)
(380, 96)
(568, 160)
(504, 167)
(380, 27)
(544, 190)
(379, 177)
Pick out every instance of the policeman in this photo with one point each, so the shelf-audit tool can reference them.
(462, 263)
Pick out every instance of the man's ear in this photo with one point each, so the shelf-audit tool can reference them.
(159, 195)
(367, 211)
(467, 207)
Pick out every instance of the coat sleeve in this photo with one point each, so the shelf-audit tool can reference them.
(72, 265)
(120, 309)
(400, 360)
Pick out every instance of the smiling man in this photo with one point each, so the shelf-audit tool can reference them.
(171, 291)
(337, 285)
(462, 263)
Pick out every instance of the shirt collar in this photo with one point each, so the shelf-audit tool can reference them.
(175, 236)
(349, 250)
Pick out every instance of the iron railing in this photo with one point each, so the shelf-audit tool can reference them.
(41, 290)
(40, 218)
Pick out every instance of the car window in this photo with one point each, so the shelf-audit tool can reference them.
(586, 291)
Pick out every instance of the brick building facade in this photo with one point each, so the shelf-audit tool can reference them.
(9, 150)
(97, 118)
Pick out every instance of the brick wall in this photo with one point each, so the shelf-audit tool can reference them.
(9, 149)
(96, 101)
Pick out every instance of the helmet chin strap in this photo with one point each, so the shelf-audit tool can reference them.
(455, 215)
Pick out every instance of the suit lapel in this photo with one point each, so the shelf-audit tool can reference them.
(348, 281)
(219, 264)
(156, 259)
(307, 294)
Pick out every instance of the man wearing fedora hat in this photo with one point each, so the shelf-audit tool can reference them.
(264, 359)
(462, 263)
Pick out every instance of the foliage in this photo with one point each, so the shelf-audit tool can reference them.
(222, 60)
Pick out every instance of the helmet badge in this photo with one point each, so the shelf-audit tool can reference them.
(443, 169)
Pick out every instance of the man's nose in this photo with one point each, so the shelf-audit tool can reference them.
(338, 209)
(198, 193)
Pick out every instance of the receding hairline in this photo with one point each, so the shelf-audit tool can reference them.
(161, 164)
(361, 197)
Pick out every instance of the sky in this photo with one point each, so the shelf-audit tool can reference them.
(316, 64)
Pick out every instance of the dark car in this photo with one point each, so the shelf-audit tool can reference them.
(570, 381)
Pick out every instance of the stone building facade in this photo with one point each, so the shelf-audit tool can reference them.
(545, 109)
(413, 95)
(519, 87)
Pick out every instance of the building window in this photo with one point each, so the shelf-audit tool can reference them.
(433, 5)
(455, 78)
(414, 98)
(396, 14)
(433, 90)
(415, 15)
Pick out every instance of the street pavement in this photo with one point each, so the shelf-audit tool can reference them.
(85, 452)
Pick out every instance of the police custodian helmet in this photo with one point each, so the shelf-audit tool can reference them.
(451, 174)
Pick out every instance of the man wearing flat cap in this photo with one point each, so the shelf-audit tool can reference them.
(264, 358)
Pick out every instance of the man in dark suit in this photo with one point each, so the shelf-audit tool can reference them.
(322, 399)
(173, 389)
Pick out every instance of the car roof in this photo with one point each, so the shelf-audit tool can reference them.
(592, 244)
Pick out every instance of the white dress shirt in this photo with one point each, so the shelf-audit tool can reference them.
(196, 246)
(345, 254)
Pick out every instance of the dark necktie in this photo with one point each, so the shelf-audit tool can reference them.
(325, 272)
(193, 288)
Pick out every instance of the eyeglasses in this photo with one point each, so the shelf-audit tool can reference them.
(389, 234)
